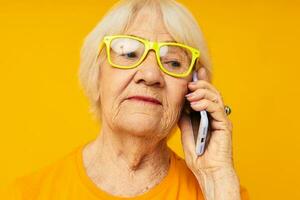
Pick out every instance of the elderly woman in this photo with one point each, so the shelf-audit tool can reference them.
(136, 68)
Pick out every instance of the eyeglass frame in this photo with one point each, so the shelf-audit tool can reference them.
(149, 45)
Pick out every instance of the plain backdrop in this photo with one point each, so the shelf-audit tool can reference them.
(255, 52)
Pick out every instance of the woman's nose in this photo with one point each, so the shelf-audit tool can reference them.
(149, 72)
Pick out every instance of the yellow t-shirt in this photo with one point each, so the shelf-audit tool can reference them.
(67, 179)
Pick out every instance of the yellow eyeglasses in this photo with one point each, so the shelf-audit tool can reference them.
(127, 52)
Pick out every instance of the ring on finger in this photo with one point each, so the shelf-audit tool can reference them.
(227, 110)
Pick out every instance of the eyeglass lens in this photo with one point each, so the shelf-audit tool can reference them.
(127, 52)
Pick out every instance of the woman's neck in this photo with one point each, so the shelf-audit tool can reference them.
(124, 164)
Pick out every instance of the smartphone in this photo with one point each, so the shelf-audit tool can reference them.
(200, 125)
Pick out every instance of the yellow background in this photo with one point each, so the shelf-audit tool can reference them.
(255, 50)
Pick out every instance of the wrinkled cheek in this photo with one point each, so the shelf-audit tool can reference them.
(110, 109)
(115, 111)
(170, 117)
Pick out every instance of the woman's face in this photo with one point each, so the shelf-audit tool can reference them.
(134, 116)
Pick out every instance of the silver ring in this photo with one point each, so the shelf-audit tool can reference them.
(227, 110)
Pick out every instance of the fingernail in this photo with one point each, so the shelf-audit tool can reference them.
(188, 95)
(194, 102)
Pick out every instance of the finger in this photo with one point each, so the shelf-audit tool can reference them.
(216, 110)
(204, 94)
(187, 136)
(202, 74)
(202, 84)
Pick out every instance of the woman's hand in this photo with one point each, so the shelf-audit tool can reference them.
(214, 169)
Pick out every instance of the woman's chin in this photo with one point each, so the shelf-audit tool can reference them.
(140, 124)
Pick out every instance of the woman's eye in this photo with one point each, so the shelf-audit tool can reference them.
(130, 55)
(174, 63)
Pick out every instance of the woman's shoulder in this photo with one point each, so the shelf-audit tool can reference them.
(30, 184)
(58, 166)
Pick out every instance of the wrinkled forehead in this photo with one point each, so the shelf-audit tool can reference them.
(148, 23)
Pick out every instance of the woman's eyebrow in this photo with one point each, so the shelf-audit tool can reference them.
(171, 41)
(148, 39)
(137, 36)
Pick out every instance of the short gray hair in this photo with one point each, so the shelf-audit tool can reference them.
(179, 22)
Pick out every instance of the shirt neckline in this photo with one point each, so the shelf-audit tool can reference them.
(91, 186)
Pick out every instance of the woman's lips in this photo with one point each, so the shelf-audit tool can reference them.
(146, 99)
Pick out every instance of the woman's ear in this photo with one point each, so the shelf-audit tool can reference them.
(98, 89)
(94, 84)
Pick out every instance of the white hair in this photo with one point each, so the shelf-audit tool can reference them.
(178, 21)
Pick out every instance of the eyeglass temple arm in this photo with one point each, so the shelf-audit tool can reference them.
(99, 49)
